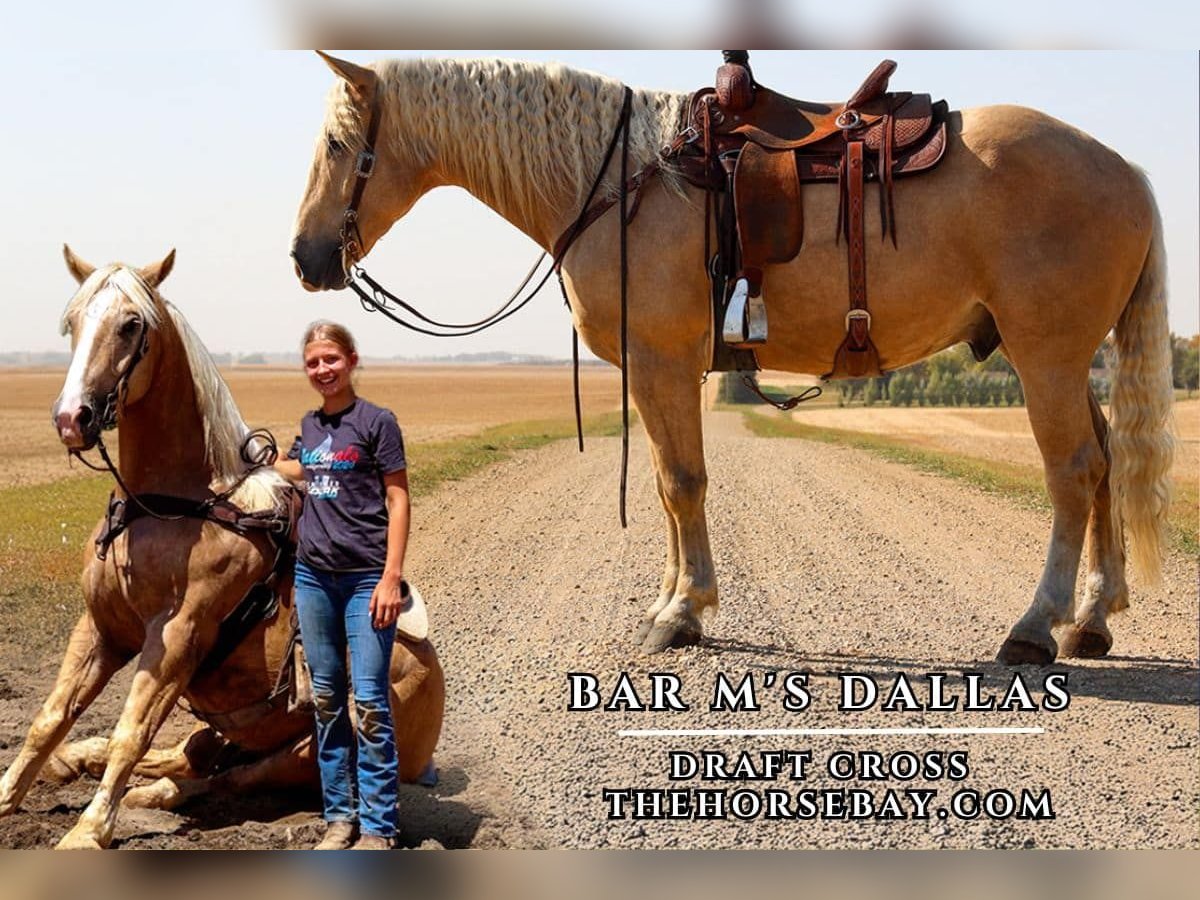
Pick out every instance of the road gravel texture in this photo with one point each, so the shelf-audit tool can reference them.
(830, 561)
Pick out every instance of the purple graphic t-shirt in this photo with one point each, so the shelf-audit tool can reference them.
(343, 527)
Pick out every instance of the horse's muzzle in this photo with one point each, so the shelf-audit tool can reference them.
(78, 428)
(318, 264)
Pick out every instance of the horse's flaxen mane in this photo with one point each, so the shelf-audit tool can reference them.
(516, 129)
(224, 428)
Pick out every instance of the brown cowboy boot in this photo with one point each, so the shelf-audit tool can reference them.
(372, 842)
(338, 836)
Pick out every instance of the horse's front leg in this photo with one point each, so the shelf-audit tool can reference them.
(667, 394)
(671, 571)
(169, 658)
(88, 665)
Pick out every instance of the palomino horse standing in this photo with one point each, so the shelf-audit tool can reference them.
(164, 587)
(1027, 222)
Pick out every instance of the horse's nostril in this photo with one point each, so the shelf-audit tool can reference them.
(85, 416)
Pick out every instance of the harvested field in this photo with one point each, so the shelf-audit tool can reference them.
(999, 435)
(432, 403)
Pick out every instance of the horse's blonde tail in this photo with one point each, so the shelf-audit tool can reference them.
(1142, 439)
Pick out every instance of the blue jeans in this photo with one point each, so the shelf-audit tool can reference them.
(334, 610)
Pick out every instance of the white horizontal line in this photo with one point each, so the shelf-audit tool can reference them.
(796, 732)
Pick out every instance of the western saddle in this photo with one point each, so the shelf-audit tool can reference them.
(751, 149)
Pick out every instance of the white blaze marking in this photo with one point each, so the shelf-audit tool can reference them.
(71, 397)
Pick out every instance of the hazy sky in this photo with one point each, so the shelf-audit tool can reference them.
(125, 150)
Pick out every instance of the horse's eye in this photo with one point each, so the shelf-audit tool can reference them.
(335, 146)
(130, 327)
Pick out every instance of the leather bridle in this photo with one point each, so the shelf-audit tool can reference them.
(105, 411)
(105, 414)
(375, 298)
(351, 245)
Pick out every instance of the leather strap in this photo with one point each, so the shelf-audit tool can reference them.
(364, 164)
(856, 228)
(857, 356)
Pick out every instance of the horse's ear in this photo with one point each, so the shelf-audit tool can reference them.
(360, 78)
(155, 273)
(79, 269)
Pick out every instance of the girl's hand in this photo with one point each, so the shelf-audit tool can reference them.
(289, 469)
(385, 602)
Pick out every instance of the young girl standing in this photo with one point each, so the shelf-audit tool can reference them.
(349, 562)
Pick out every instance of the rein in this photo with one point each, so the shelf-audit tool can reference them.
(373, 296)
(376, 298)
(118, 518)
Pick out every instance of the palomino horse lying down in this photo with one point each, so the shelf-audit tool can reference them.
(163, 587)
(1027, 232)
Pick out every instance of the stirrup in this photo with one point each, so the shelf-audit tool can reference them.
(745, 317)
(756, 320)
(733, 331)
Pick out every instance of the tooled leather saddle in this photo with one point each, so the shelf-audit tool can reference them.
(752, 148)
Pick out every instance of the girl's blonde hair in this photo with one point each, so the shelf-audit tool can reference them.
(324, 330)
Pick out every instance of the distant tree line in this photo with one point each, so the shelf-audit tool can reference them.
(1185, 362)
(949, 378)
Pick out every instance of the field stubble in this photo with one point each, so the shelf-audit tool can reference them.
(432, 404)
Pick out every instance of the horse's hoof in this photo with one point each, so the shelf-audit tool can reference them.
(147, 796)
(643, 630)
(1083, 643)
(665, 636)
(1017, 652)
(78, 842)
(59, 771)
(429, 775)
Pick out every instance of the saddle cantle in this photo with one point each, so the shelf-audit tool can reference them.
(752, 148)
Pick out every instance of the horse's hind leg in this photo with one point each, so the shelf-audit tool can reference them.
(1105, 590)
(71, 762)
(418, 702)
(1056, 395)
(88, 665)
(417, 699)
(293, 766)
(187, 759)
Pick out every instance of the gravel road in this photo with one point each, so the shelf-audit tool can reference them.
(830, 561)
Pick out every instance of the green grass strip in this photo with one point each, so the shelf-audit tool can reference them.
(1020, 484)
(436, 462)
